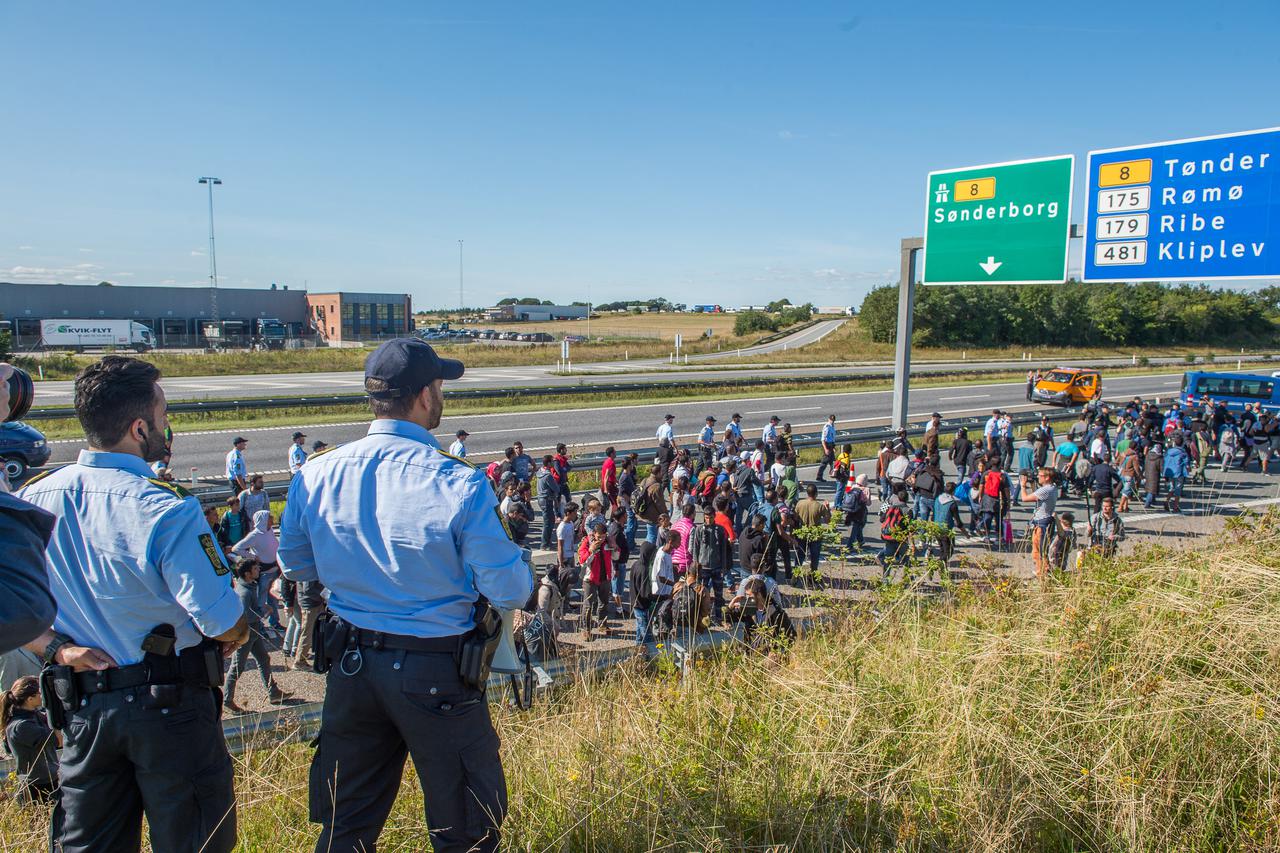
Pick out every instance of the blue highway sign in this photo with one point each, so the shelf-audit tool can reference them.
(1188, 210)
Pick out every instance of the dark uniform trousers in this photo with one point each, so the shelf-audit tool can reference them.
(121, 760)
(399, 702)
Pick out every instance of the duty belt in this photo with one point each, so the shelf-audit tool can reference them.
(379, 640)
(187, 667)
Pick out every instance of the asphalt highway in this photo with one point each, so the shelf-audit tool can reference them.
(586, 430)
(352, 382)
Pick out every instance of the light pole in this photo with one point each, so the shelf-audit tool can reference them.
(213, 255)
(588, 312)
(460, 302)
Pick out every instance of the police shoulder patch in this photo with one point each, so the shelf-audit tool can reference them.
(38, 477)
(457, 459)
(211, 551)
(502, 519)
(170, 487)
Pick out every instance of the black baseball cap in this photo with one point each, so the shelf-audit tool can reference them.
(668, 417)
(240, 440)
(462, 433)
(407, 365)
(319, 445)
(711, 419)
(298, 435)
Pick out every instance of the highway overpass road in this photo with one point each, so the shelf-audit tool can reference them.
(628, 426)
(352, 382)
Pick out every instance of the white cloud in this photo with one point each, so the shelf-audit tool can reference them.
(45, 275)
(25, 248)
(86, 251)
(122, 275)
(787, 134)
(197, 253)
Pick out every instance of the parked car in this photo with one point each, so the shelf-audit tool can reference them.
(22, 446)
(575, 339)
(541, 338)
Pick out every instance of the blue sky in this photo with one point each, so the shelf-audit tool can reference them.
(712, 152)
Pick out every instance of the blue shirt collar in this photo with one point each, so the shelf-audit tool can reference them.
(404, 429)
(123, 461)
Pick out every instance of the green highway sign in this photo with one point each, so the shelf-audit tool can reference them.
(1003, 223)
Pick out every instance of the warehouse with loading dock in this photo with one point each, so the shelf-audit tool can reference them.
(180, 316)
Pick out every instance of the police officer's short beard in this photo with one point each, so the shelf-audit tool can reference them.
(156, 445)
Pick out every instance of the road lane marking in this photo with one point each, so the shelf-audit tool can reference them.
(967, 397)
(774, 411)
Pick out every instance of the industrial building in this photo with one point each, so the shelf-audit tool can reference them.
(535, 313)
(347, 316)
(177, 315)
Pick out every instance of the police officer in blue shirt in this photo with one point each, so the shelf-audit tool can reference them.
(140, 586)
(297, 453)
(406, 538)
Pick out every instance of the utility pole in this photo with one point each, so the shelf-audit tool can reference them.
(213, 256)
(461, 303)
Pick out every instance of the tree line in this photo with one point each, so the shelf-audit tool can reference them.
(1076, 314)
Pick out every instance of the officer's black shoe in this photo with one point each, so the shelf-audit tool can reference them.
(231, 706)
(279, 697)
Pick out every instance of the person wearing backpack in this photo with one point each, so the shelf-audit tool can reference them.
(651, 581)
(893, 535)
(927, 482)
(857, 500)
(994, 500)
(742, 478)
(946, 511)
(548, 500)
(650, 503)
(781, 542)
(842, 470)
(689, 610)
(710, 553)
(1153, 468)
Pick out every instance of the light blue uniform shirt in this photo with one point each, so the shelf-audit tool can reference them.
(707, 436)
(736, 430)
(829, 433)
(665, 431)
(404, 537)
(296, 457)
(235, 465)
(127, 555)
(769, 433)
(458, 449)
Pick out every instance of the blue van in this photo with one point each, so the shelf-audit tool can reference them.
(22, 446)
(1234, 389)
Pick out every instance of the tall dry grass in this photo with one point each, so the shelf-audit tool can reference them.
(1132, 706)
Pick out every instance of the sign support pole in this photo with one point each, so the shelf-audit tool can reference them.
(906, 314)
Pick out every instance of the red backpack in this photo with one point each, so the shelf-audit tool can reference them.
(991, 485)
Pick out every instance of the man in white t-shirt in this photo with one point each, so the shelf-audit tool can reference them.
(667, 431)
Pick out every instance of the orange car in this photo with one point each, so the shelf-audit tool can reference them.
(1068, 386)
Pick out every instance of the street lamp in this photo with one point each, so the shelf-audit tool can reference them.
(461, 304)
(213, 257)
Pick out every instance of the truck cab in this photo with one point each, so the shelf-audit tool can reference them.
(1068, 386)
(269, 333)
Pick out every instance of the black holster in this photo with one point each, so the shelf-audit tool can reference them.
(59, 693)
(328, 641)
(479, 645)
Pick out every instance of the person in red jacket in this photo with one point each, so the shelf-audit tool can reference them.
(597, 569)
(609, 480)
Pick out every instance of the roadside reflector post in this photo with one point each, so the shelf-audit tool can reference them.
(193, 477)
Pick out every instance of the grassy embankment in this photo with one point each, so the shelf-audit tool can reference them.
(1131, 707)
